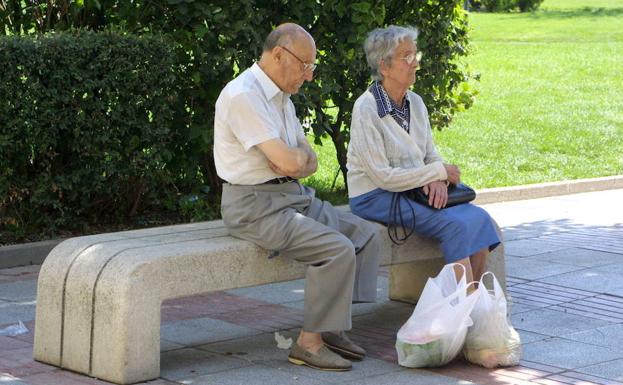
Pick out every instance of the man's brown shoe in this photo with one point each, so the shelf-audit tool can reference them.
(324, 359)
(342, 345)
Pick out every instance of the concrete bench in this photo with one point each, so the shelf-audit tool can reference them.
(99, 297)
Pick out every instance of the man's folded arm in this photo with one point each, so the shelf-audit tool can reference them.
(289, 161)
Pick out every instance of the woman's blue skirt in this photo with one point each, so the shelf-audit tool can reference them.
(462, 230)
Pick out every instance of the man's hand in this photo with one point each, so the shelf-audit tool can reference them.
(437, 194)
(454, 174)
(284, 160)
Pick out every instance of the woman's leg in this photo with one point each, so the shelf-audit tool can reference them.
(469, 276)
(478, 261)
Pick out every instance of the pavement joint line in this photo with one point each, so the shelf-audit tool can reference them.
(523, 292)
(565, 288)
(516, 290)
(531, 299)
(614, 297)
(581, 376)
(545, 367)
(592, 307)
(555, 290)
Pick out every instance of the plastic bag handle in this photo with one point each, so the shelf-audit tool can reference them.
(457, 264)
(471, 283)
(497, 289)
(458, 293)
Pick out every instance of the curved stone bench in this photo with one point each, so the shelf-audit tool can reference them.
(99, 296)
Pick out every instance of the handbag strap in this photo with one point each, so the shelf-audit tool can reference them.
(396, 220)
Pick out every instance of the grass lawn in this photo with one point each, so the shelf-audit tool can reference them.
(550, 103)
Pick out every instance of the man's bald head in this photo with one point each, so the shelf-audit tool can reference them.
(288, 57)
(286, 34)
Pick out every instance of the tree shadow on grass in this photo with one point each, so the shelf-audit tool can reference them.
(575, 13)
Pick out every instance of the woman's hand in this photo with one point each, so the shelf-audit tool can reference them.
(454, 174)
(437, 194)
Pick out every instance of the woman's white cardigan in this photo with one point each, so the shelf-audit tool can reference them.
(381, 154)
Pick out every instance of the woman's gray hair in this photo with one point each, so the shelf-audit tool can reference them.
(381, 44)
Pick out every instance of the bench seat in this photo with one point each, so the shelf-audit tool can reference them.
(99, 296)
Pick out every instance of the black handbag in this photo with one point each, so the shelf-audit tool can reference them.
(457, 194)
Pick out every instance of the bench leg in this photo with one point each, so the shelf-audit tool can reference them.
(407, 280)
(126, 338)
(497, 265)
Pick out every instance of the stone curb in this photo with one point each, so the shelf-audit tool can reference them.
(26, 254)
(542, 190)
(34, 253)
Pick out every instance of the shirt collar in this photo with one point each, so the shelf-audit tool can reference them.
(269, 87)
(384, 104)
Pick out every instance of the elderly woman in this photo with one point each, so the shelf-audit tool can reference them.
(391, 150)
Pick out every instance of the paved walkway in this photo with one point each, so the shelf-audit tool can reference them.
(564, 268)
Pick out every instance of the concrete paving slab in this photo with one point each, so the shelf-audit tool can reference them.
(592, 279)
(365, 308)
(359, 309)
(21, 270)
(299, 305)
(255, 349)
(554, 323)
(530, 247)
(12, 312)
(410, 377)
(166, 345)
(282, 292)
(255, 375)
(387, 317)
(516, 308)
(201, 331)
(617, 292)
(592, 208)
(367, 368)
(609, 336)
(578, 378)
(578, 256)
(61, 377)
(616, 268)
(183, 364)
(567, 354)
(533, 268)
(530, 337)
(534, 231)
(612, 370)
(10, 343)
(19, 290)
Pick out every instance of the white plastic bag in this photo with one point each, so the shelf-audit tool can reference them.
(14, 330)
(491, 341)
(435, 332)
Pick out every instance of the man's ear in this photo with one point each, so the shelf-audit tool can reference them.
(277, 53)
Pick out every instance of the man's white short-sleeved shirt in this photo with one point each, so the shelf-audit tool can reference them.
(251, 109)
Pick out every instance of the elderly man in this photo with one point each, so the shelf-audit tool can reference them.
(260, 151)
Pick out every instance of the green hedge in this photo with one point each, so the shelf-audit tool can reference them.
(85, 129)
